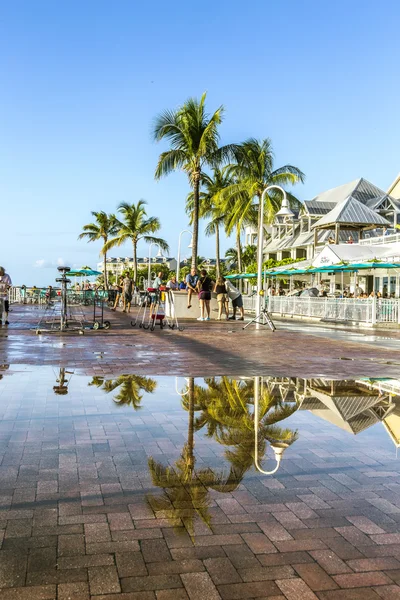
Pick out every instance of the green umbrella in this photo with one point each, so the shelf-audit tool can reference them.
(83, 273)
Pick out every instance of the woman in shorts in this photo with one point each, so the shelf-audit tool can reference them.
(203, 287)
(222, 297)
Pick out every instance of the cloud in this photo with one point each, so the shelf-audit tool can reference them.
(41, 263)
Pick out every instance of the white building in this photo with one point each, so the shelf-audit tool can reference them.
(117, 266)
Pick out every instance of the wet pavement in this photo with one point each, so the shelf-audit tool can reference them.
(119, 480)
(215, 348)
(144, 488)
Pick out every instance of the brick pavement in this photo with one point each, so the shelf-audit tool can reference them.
(213, 347)
(76, 516)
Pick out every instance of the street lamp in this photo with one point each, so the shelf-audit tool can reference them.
(283, 212)
(179, 251)
(159, 253)
(278, 447)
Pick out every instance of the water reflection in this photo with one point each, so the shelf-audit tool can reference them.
(185, 488)
(352, 405)
(226, 413)
(61, 389)
(130, 388)
(244, 424)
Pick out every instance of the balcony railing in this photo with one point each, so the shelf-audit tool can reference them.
(380, 240)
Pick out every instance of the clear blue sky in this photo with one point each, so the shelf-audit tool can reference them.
(81, 82)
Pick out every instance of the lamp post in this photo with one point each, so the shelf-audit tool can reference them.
(159, 253)
(278, 447)
(283, 212)
(179, 251)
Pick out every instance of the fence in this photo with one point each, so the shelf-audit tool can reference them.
(368, 310)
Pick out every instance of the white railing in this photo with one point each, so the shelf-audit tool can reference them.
(380, 239)
(368, 310)
(14, 294)
(387, 311)
(249, 303)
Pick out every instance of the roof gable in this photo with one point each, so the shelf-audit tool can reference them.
(352, 212)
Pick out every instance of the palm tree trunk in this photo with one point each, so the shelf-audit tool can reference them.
(190, 442)
(217, 251)
(105, 268)
(239, 255)
(134, 263)
(239, 249)
(196, 206)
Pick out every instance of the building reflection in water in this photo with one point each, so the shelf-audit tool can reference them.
(247, 417)
(352, 405)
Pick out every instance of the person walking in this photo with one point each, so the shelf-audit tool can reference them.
(204, 286)
(118, 292)
(127, 286)
(237, 300)
(5, 284)
(191, 284)
(222, 297)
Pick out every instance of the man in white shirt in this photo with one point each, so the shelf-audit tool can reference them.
(237, 300)
(5, 284)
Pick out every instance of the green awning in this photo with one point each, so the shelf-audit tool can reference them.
(241, 276)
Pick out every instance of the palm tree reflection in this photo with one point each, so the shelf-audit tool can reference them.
(226, 411)
(129, 388)
(186, 489)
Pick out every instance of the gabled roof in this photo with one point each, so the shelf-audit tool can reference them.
(395, 184)
(360, 189)
(351, 212)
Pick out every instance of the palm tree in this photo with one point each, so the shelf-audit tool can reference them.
(211, 206)
(193, 137)
(227, 413)
(104, 227)
(186, 489)
(254, 170)
(249, 255)
(129, 387)
(136, 226)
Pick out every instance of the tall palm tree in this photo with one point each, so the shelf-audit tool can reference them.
(211, 206)
(105, 227)
(185, 488)
(135, 226)
(129, 387)
(193, 137)
(253, 168)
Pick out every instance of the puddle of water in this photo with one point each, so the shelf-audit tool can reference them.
(154, 459)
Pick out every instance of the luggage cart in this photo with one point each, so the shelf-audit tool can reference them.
(145, 302)
(152, 311)
(100, 296)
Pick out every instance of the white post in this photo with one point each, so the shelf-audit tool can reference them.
(373, 308)
(261, 247)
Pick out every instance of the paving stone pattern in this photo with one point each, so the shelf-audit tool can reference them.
(214, 348)
(77, 520)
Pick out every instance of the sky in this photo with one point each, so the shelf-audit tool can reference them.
(81, 83)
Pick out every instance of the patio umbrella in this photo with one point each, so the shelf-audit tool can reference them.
(84, 273)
